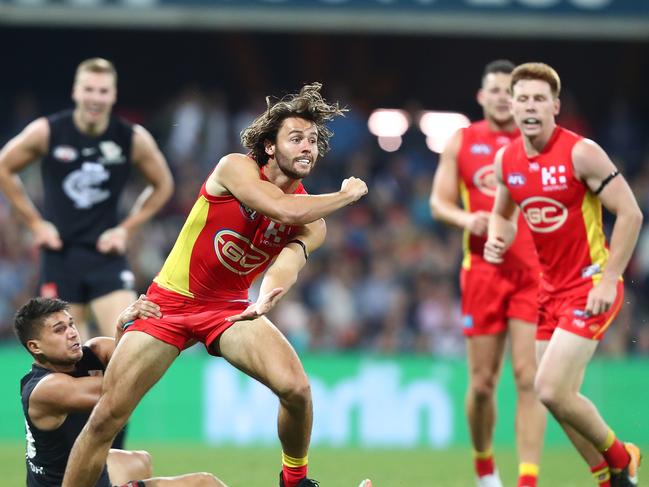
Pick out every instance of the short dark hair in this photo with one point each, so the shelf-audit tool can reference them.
(31, 315)
(307, 104)
(498, 66)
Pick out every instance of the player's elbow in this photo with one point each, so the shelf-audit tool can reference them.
(292, 214)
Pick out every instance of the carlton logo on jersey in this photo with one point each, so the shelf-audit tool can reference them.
(543, 214)
(237, 253)
(485, 180)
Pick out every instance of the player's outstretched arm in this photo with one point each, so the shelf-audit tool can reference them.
(18, 153)
(444, 195)
(283, 272)
(238, 175)
(502, 221)
(593, 166)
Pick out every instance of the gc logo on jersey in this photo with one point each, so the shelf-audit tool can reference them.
(237, 253)
(485, 180)
(543, 214)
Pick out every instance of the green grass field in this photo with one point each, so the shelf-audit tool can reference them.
(252, 467)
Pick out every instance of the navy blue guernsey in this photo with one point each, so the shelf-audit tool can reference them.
(47, 451)
(83, 177)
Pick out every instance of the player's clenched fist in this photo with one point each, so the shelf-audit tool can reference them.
(494, 249)
(355, 187)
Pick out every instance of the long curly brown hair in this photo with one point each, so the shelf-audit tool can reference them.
(308, 104)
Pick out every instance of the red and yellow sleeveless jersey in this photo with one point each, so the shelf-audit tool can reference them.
(564, 215)
(222, 247)
(478, 188)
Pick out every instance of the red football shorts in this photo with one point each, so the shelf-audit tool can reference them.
(184, 318)
(567, 312)
(492, 295)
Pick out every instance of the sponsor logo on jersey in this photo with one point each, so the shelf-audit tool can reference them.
(554, 178)
(88, 151)
(516, 179)
(237, 253)
(534, 166)
(543, 214)
(111, 153)
(480, 149)
(249, 213)
(485, 180)
(65, 153)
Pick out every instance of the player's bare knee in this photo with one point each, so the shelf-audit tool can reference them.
(144, 462)
(550, 396)
(297, 394)
(524, 378)
(103, 425)
(482, 388)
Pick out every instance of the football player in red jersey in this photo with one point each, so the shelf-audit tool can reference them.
(496, 299)
(560, 181)
(252, 214)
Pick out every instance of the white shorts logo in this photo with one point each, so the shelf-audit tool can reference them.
(543, 214)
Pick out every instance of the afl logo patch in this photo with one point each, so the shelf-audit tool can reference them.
(237, 253)
(544, 215)
(482, 149)
(65, 153)
(485, 180)
(516, 179)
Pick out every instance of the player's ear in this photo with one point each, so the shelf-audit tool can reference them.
(479, 96)
(557, 106)
(269, 147)
(33, 347)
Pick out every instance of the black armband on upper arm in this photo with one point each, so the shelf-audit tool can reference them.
(607, 180)
(301, 244)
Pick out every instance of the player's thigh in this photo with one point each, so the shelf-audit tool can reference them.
(108, 307)
(564, 361)
(136, 365)
(523, 339)
(125, 465)
(260, 350)
(485, 355)
(202, 479)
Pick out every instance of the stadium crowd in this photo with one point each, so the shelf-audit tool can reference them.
(386, 277)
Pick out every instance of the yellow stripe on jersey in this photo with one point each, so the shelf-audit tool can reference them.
(466, 203)
(591, 209)
(175, 271)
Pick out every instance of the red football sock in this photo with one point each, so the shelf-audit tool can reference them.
(614, 452)
(601, 474)
(484, 463)
(293, 470)
(528, 473)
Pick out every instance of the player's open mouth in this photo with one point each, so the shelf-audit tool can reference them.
(532, 121)
(304, 162)
(76, 346)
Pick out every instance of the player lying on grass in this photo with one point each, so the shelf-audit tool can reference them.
(64, 385)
